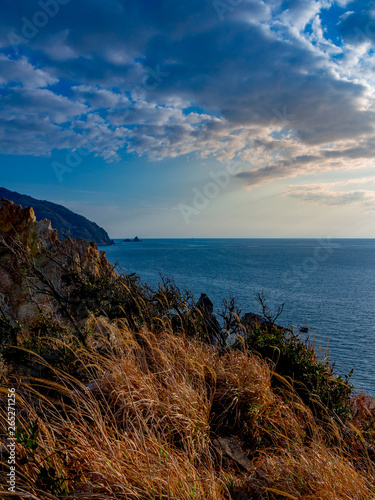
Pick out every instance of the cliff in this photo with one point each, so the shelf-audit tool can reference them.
(63, 220)
(33, 261)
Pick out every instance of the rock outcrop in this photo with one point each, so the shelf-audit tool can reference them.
(33, 261)
(135, 240)
(251, 320)
(205, 309)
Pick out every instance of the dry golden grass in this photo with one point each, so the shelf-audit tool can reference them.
(142, 423)
(310, 473)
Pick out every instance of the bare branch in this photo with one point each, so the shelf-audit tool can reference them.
(267, 311)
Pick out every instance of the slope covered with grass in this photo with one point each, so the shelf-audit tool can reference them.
(148, 414)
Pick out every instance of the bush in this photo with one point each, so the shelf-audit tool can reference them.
(295, 359)
(112, 297)
(9, 332)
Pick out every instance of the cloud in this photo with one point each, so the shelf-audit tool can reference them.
(58, 49)
(300, 12)
(328, 193)
(96, 97)
(282, 169)
(22, 72)
(273, 161)
(261, 82)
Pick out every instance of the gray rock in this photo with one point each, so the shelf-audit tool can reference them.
(229, 446)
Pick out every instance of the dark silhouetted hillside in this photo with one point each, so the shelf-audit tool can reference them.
(64, 220)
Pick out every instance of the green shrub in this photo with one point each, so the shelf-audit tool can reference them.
(296, 360)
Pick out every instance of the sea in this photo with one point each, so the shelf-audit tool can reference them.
(326, 285)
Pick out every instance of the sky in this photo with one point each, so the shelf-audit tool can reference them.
(196, 118)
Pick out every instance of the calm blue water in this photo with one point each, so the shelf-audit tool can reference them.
(327, 286)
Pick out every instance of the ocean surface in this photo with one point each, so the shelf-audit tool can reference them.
(326, 285)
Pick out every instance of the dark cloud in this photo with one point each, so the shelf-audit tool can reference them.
(364, 150)
(279, 170)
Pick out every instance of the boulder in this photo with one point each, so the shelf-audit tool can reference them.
(205, 308)
(251, 320)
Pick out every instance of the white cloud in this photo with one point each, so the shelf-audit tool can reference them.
(330, 194)
(22, 72)
(99, 98)
(301, 12)
(57, 47)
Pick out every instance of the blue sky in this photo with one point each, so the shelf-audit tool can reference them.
(230, 118)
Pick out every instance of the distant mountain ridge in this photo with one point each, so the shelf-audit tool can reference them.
(64, 220)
